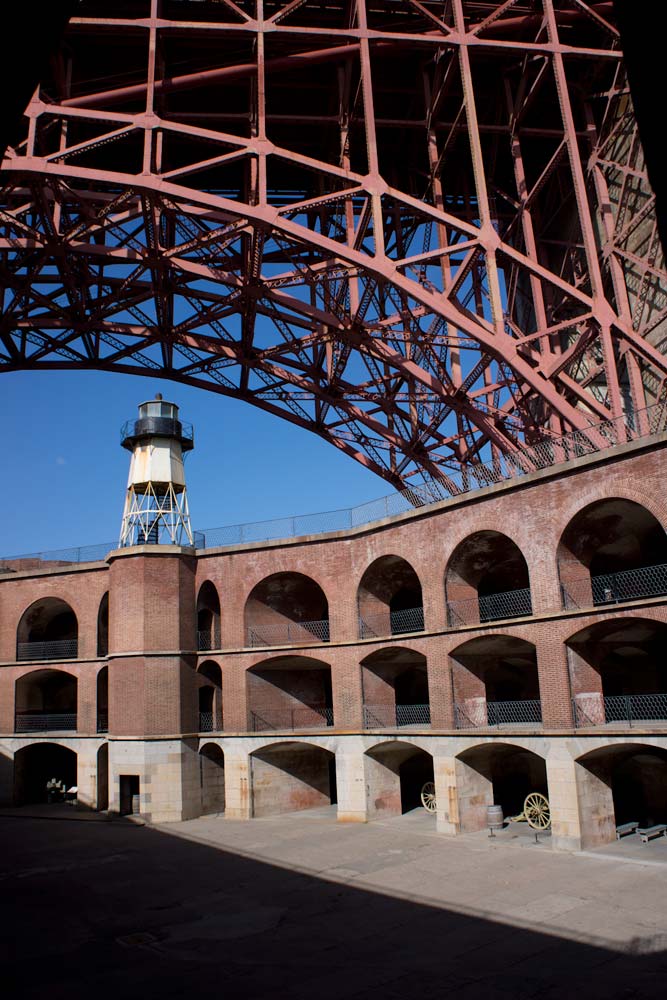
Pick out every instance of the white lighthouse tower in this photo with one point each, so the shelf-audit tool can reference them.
(156, 503)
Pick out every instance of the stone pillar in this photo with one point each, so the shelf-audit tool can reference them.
(474, 793)
(238, 794)
(440, 689)
(7, 693)
(86, 776)
(446, 793)
(347, 689)
(554, 679)
(351, 783)
(235, 695)
(86, 700)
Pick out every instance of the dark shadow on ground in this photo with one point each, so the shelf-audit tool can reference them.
(101, 910)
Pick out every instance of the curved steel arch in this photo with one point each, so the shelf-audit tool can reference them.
(427, 243)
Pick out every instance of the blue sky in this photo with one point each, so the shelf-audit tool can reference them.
(64, 472)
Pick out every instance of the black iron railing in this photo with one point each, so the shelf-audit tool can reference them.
(596, 710)
(102, 722)
(306, 717)
(396, 623)
(498, 713)
(55, 649)
(388, 716)
(288, 633)
(205, 640)
(45, 722)
(490, 607)
(206, 722)
(615, 588)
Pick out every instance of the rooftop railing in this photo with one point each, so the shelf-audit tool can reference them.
(525, 460)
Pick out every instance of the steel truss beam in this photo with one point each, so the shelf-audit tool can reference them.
(422, 230)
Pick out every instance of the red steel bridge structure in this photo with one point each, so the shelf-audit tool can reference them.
(422, 229)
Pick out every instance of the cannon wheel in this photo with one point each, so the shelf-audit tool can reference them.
(536, 811)
(428, 797)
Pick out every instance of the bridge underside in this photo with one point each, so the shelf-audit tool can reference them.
(422, 230)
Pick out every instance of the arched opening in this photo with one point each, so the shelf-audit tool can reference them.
(208, 617)
(289, 692)
(103, 700)
(46, 701)
(103, 777)
(289, 777)
(618, 671)
(286, 609)
(396, 773)
(389, 599)
(39, 765)
(621, 784)
(612, 551)
(487, 580)
(103, 627)
(395, 689)
(48, 630)
(212, 779)
(496, 774)
(209, 678)
(495, 682)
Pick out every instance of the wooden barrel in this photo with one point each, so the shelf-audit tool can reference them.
(494, 817)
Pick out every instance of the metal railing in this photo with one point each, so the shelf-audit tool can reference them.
(490, 607)
(498, 713)
(395, 623)
(44, 722)
(388, 716)
(615, 588)
(206, 722)
(525, 460)
(56, 649)
(305, 717)
(102, 722)
(206, 640)
(287, 633)
(598, 710)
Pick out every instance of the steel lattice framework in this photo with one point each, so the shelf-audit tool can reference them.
(421, 229)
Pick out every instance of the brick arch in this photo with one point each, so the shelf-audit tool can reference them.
(47, 629)
(390, 597)
(606, 536)
(496, 773)
(289, 775)
(398, 771)
(487, 578)
(286, 608)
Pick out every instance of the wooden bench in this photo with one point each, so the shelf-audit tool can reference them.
(624, 829)
(648, 832)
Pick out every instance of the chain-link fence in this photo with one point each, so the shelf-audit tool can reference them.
(526, 459)
(481, 714)
(206, 722)
(288, 633)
